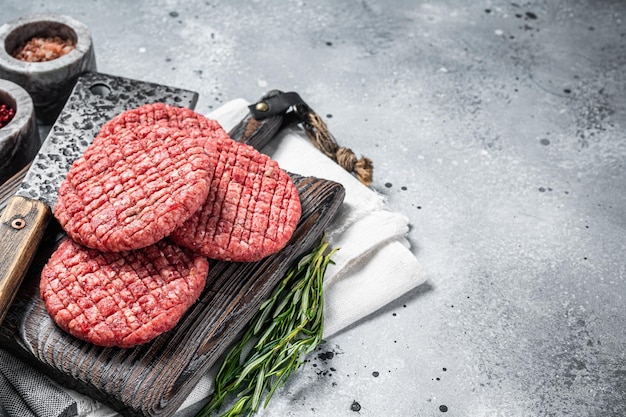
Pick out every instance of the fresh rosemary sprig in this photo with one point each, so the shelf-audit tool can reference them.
(286, 328)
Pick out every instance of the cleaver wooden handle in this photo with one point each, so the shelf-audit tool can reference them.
(22, 224)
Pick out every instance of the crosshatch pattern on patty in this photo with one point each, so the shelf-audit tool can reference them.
(134, 187)
(159, 114)
(121, 299)
(251, 211)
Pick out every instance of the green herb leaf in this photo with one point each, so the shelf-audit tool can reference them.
(286, 328)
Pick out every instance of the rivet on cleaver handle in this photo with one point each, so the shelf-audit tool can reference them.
(22, 225)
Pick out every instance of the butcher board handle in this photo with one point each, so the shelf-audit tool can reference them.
(22, 224)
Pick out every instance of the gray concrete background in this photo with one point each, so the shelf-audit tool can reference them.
(497, 127)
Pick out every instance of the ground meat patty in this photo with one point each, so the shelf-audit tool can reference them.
(121, 299)
(160, 114)
(133, 187)
(252, 209)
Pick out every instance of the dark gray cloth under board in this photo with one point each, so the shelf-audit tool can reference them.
(25, 392)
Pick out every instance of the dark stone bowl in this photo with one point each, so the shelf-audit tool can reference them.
(19, 140)
(49, 83)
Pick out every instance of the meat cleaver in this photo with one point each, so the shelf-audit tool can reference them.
(95, 99)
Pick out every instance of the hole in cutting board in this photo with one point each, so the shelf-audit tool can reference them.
(101, 90)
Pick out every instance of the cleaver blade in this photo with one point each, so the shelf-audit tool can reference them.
(95, 99)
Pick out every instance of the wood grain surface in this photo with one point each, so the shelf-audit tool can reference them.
(154, 379)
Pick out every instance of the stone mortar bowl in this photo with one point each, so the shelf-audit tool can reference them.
(49, 83)
(19, 140)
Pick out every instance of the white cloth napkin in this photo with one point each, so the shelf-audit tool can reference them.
(373, 266)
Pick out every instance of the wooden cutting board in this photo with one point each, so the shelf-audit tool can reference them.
(154, 379)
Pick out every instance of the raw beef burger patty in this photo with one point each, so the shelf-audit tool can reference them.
(133, 187)
(121, 299)
(252, 209)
